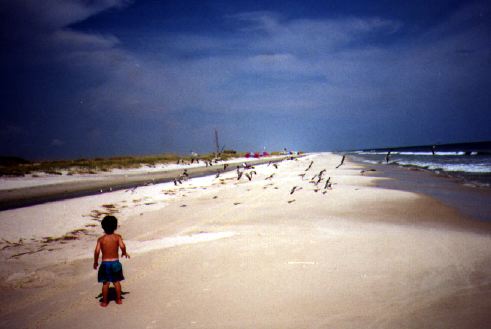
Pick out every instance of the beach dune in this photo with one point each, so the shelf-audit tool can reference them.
(228, 253)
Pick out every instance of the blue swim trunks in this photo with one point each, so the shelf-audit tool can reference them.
(110, 271)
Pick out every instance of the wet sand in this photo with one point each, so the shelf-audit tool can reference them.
(249, 254)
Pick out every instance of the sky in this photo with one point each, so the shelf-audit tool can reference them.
(93, 78)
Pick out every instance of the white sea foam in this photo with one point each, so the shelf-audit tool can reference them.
(450, 167)
(414, 153)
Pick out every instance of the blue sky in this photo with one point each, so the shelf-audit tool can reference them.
(117, 77)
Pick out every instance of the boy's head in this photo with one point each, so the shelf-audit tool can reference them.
(109, 224)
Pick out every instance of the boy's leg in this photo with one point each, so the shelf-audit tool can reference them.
(105, 293)
(117, 285)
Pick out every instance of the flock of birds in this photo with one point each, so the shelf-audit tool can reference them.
(316, 180)
(319, 180)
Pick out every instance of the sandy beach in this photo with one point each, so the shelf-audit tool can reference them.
(276, 251)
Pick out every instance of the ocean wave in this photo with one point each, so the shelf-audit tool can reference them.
(450, 167)
(416, 153)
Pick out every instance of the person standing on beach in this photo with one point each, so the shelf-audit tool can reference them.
(111, 269)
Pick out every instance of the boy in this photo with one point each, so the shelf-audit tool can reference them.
(111, 269)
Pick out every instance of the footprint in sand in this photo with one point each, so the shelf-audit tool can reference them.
(290, 201)
(236, 203)
(183, 206)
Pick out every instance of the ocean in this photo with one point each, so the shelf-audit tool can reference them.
(468, 162)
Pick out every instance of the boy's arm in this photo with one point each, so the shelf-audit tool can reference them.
(97, 251)
(123, 248)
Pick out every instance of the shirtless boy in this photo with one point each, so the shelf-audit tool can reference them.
(111, 269)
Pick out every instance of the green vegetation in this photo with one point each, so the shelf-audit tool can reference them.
(21, 167)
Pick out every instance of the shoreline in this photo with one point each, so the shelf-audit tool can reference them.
(472, 201)
(222, 253)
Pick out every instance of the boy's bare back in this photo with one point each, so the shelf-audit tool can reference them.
(109, 245)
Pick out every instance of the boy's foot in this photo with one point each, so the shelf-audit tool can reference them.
(119, 301)
(103, 304)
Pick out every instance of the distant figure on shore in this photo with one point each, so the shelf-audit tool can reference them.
(387, 157)
(110, 269)
(433, 149)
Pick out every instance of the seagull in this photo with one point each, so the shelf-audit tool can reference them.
(327, 183)
(342, 161)
(295, 188)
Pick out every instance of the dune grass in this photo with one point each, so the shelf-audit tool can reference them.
(95, 165)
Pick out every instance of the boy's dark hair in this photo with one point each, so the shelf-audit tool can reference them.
(109, 224)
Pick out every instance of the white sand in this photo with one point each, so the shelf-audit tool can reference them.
(42, 179)
(217, 253)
